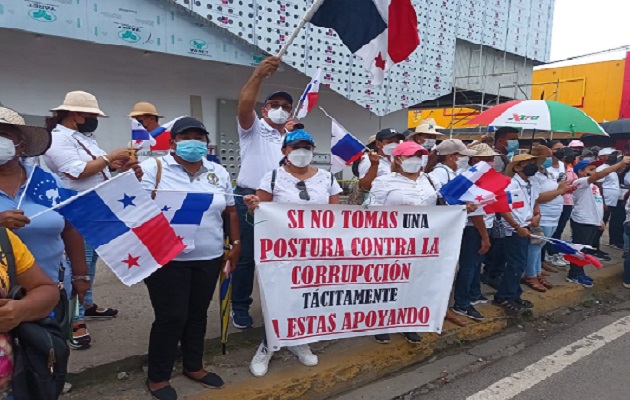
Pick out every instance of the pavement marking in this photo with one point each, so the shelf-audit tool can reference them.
(525, 379)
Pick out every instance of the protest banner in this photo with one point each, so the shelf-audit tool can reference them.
(334, 271)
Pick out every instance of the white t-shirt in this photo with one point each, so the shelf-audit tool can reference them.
(550, 211)
(384, 167)
(610, 184)
(396, 190)
(530, 191)
(67, 155)
(319, 187)
(212, 178)
(588, 207)
(441, 175)
(261, 152)
(554, 173)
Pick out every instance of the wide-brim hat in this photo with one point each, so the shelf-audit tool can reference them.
(36, 138)
(483, 150)
(509, 170)
(80, 101)
(144, 108)
(428, 126)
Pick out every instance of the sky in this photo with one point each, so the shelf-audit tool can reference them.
(585, 26)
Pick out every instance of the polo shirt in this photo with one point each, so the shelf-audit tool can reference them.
(530, 191)
(384, 167)
(67, 157)
(260, 150)
(211, 178)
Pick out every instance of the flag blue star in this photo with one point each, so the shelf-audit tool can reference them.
(127, 200)
(165, 208)
(473, 169)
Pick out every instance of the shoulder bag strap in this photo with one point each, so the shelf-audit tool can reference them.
(273, 179)
(7, 251)
(158, 177)
(90, 154)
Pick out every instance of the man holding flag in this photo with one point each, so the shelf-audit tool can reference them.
(260, 150)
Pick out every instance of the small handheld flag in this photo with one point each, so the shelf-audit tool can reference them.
(310, 96)
(344, 148)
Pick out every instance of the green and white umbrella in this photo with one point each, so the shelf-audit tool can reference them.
(540, 115)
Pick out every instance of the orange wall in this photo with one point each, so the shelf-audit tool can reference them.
(594, 88)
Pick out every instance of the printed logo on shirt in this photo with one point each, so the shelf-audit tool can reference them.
(213, 179)
(596, 195)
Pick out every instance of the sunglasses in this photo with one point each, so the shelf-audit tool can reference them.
(301, 186)
(285, 107)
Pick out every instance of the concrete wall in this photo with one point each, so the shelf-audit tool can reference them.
(36, 72)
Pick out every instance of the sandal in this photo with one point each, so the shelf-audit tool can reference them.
(524, 303)
(104, 313)
(543, 281)
(533, 283)
(80, 342)
(508, 305)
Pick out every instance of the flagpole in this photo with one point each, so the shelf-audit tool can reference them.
(28, 182)
(329, 116)
(73, 198)
(307, 17)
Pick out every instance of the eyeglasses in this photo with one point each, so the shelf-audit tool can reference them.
(285, 107)
(301, 186)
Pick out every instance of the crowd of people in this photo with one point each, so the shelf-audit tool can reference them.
(561, 185)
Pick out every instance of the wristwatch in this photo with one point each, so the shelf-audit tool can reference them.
(81, 278)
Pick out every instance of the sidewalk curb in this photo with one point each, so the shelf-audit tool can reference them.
(344, 371)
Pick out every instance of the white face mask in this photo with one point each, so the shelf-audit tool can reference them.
(462, 163)
(411, 165)
(300, 157)
(7, 150)
(428, 143)
(425, 160)
(278, 115)
(388, 149)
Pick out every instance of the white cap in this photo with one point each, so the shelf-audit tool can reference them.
(606, 151)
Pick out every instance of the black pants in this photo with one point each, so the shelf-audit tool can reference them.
(582, 234)
(615, 225)
(180, 294)
(494, 261)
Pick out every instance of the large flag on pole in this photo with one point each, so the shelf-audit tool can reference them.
(184, 211)
(119, 219)
(344, 148)
(381, 32)
(310, 96)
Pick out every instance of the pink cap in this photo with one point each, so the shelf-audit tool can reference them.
(408, 149)
(576, 143)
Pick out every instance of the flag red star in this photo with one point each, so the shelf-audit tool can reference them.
(131, 261)
(379, 62)
(479, 198)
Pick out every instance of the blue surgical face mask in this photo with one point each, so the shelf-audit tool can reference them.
(547, 163)
(512, 145)
(191, 150)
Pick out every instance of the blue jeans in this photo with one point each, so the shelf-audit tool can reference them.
(90, 258)
(515, 260)
(534, 264)
(562, 223)
(626, 261)
(467, 282)
(243, 277)
(494, 260)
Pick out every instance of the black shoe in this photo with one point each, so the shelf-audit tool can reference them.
(165, 393)
(480, 300)
(94, 313)
(602, 256)
(210, 379)
(382, 338)
(524, 303)
(469, 312)
(412, 337)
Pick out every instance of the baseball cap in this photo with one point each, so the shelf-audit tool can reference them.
(483, 150)
(585, 163)
(298, 135)
(187, 123)
(453, 146)
(576, 143)
(282, 95)
(606, 151)
(409, 149)
(388, 133)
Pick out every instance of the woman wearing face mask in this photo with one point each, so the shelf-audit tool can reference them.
(81, 164)
(426, 133)
(452, 156)
(297, 182)
(405, 185)
(181, 291)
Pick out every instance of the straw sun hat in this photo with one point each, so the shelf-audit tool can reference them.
(80, 101)
(37, 139)
(144, 108)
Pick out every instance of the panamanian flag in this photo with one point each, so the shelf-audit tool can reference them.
(140, 138)
(344, 148)
(480, 184)
(310, 96)
(381, 32)
(162, 135)
(118, 218)
(184, 211)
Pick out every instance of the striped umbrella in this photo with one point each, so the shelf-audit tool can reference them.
(541, 115)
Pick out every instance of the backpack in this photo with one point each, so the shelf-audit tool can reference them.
(40, 348)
